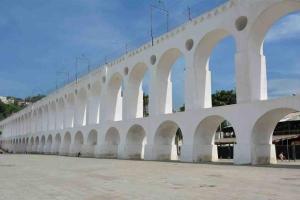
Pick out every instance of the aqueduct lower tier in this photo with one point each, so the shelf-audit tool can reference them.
(101, 114)
(152, 138)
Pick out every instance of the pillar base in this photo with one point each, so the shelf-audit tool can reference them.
(166, 152)
(206, 153)
(264, 154)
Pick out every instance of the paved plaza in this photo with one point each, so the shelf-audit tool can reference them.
(52, 177)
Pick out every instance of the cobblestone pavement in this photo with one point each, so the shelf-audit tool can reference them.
(33, 177)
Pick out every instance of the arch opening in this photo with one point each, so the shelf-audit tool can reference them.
(81, 107)
(91, 143)
(282, 71)
(57, 143)
(168, 141)
(66, 144)
(114, 98)
(214, 140)
(170, 82)
(95, 103)
(48, 144)
(135, 142)
(137, 95)
(112, 140)
(37, 143)
(78, 142)
(60, 117)
(52, 115)
(276, 132)
(43, 142)
(215, 75)
(70, 111)
(273, 43)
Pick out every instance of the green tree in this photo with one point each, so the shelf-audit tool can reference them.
(33, 99)
(145, 105)
(223, 97)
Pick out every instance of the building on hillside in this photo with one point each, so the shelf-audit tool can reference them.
(7, 100)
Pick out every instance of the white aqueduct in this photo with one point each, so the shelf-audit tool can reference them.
(91, 116)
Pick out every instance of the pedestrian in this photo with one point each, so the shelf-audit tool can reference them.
(281, 156)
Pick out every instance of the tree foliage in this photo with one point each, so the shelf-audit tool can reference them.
(7, 109)
(33, 99)
(224, 97)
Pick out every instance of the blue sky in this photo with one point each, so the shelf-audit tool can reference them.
(40, 38)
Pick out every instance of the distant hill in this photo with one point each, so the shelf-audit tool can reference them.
(7, 109)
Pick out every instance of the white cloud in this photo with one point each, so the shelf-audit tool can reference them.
(287, 28)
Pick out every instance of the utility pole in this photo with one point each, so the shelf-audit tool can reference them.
(163, 10)
(189, 13)
(78, 59)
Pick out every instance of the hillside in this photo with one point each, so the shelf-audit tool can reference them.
(7, 109)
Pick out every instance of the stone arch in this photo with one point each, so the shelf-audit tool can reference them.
(163, 81)
(266, 19)
(52, 115)
(65, 149)
(78, 143)
(135, 142)
(21, 124)
(204, 148)
(134, 91)
(34, 121)
(257, 35)
(45, 118)
(70, 110)
(201, 69)
(60, 114)
(112, 141)
(263, 151)
(48, 144)
(56, 144)
(37, 143)
(91, 143)
(114, 99)
(31, 144)
(164, 141)
(92, 137)
(81, 110)
(40, 119)
(43, 143)
(95, 103)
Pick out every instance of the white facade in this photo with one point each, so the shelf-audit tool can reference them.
(93, 118)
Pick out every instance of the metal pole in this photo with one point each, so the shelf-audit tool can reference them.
(167, 21)
(189, 13)
(76, 73)
(151, 19)
(151, 26)
(287, 148)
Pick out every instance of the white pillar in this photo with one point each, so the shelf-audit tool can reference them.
(251, 76)
(198, 84)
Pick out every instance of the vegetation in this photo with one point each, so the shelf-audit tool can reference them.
(18, 104)
(34, 99)
(7, 109)
(223, 97)
(146, 103)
